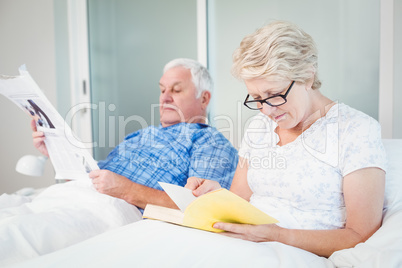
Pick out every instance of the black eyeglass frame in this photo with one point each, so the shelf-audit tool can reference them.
(283, 96)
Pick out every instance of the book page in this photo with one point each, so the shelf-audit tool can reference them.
(164, 214)
(180, 195)
(223, 206)
(217, 206)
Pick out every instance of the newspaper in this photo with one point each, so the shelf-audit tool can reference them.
(70, 159)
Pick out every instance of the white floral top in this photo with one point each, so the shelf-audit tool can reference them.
(300, 183)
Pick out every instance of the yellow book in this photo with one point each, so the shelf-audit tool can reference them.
(202, 212)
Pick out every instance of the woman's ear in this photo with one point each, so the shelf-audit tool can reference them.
(310, 81)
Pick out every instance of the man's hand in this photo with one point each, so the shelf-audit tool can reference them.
(38, 139)
(110, 183)
(201, 186)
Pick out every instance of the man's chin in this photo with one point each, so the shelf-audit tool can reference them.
(166, 122)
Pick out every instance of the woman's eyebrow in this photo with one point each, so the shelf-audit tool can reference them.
(275, 90)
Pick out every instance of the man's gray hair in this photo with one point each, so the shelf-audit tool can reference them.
(200, 75)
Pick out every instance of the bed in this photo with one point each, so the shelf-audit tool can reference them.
(149, 243)
(59, 216)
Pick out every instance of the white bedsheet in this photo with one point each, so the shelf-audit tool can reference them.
(151, 243)
(157, 244)
(13, 200)
(60, 216)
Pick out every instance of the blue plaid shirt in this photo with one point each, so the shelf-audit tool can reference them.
(172, 154)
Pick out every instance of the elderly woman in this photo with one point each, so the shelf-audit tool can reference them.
(316, 165)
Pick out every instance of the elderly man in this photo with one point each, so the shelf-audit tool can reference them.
(181, 147)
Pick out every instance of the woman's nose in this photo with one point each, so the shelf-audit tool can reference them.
(267, 109)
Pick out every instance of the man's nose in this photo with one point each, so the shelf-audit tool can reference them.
(166, 96)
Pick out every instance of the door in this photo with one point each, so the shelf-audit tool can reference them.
(129, 44)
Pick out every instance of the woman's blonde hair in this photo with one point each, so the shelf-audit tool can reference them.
(279, 49)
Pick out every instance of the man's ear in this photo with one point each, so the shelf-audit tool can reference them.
(205, 98)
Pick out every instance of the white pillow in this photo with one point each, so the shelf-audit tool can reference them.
(393, 184)
(384, 247)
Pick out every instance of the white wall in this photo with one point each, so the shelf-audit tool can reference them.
(397, 94)
(27, 36)
(347, 37)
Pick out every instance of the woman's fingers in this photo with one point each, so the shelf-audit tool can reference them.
(206, 187)
(193, 183)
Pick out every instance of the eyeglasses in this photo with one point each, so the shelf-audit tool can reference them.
(273, 101)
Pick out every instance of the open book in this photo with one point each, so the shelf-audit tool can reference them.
(70, 159)
(202, 212)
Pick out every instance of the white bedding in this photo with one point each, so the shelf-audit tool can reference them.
(384, 248)
(60, 216)
(157, 244)
(151, 243)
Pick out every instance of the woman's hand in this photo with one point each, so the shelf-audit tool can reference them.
(39, 139)
(255, 233)
(201, 186)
